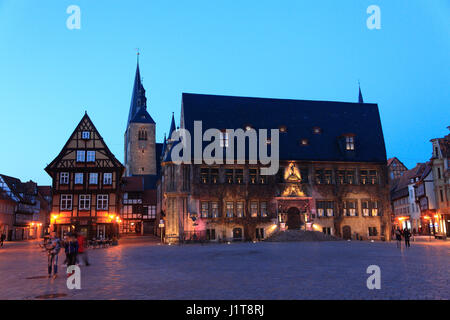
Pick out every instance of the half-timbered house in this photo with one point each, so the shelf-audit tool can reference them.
(86, 185)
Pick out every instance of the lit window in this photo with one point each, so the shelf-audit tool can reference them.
(66, 202)
(215, 209)
(283, 128)
(263, 209)
(240, 209)
(78, 178)
(230, 209)
(93, 178)
(86, 135)
(90, 156)
(84, 202)
(102, 202)
(107, 178)
(304, 142)
(317, 130)
(253, 209)
(81, 155)
(64, 178)
(205, 209)
(349, 143)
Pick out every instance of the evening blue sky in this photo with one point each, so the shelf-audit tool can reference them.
(317, 50)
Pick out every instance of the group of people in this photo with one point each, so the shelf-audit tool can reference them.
(74, 247)
(406, 234)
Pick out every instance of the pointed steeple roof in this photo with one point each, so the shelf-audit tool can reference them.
(163, 149)
(360, 97)
(138, 99)
(172, 126)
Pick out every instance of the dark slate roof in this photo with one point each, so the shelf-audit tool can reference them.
(138, 106)
(172, 126)
(300, 117)
(142, 116)
(400, 185)
(20, 191)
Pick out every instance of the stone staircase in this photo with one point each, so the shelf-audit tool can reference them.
(300, 235)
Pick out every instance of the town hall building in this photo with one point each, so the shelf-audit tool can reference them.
(332, 177)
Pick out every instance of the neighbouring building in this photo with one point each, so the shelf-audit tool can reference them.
(142, 166)
(441, 176)
(396, 168)
(138, 210)
(333, 174)
(23, 210)
(406, 210)
(426, 200)
(86, 179)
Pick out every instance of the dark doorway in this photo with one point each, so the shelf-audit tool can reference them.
(237, 234)
(293, 219)
(346, 232)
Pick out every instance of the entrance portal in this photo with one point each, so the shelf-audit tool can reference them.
(237, 234)
(293, 219)
(347, 232)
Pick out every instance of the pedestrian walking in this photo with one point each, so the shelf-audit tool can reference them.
(2, 238)
(71, 249)
(398, 237)
(407, 236)
(82, 249)
(53, 247)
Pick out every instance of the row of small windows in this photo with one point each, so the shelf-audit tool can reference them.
(64, 178)
(232, 176)
(349, 139)
(138, 212)
(321, 176)
(84, 202)
(369, 208)
(85, 156)
(233, 209)
(324, 208)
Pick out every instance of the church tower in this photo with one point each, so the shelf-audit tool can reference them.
(140, 144)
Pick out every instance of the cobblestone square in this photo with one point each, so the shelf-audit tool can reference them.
(298, 270)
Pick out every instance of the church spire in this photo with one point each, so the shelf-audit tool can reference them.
(360, 97)
(138, 99)
(172, 126)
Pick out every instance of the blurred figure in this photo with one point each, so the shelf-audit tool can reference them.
(407, 236)
(53, 247)
(2, 238)
(398, 237)
(71, 249)
(82, 249)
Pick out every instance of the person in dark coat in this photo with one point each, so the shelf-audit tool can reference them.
(71, 249)
(407, 236)
(398, 237)
(2, 238)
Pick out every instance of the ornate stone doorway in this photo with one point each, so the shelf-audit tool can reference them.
(346, 232)
(294, 221)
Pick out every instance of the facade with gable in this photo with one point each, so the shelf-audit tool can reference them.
(86, 179)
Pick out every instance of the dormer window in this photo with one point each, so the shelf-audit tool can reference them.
(317, 130)
(349, 143)
(85, 135)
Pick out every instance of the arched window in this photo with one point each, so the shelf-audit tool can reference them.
(142, 134)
